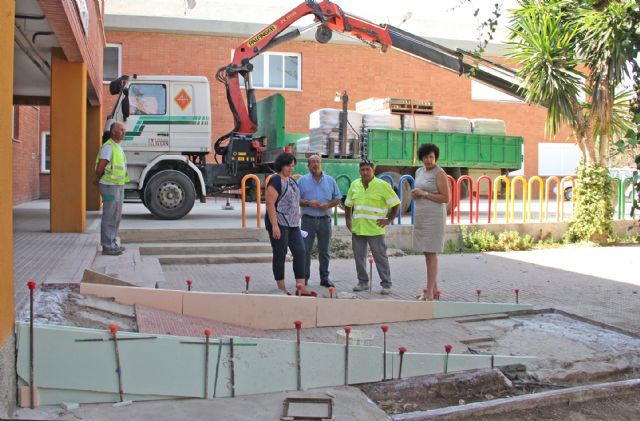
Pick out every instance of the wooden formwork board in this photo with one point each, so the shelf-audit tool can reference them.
(279, 312)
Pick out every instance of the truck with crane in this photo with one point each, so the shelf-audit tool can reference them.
(168, 118)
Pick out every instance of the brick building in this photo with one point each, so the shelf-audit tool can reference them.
(178, 46)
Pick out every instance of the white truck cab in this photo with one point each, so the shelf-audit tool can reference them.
(168, 134)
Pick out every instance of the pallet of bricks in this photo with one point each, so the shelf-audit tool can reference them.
(395, 106)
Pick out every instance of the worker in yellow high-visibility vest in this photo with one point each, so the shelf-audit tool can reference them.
(111, 176)
(370, 206)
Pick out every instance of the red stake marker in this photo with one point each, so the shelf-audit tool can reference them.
(207, 334)
(299, 289)
(247, 279)
(370, 273)
(189, 282)
(384, 329)
(113, 328)
(517, 291)
(478, 292)
(32, 390)
(347, 331)
(331, 289)
(447, 349)
(401, 350)
(298, 324)
(438, 293)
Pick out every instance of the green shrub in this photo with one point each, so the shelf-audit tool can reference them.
(476, 240)
(594, 207)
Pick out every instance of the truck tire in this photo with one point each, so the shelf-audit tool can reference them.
(405, 206)
(169, 194)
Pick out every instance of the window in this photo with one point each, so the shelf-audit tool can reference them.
(147, 99)
(111, 62)
(45, 153)
(276, 71)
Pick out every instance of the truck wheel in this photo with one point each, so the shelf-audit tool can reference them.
(169, 194)
(405, 206)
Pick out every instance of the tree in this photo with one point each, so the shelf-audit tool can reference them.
(567, 48)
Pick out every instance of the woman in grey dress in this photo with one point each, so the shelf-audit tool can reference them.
(431, 195)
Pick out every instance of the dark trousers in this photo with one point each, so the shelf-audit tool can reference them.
(290, 238)
(320, 228)
(378, 251)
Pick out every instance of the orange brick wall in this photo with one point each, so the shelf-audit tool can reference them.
(26, 155)
(327, 69)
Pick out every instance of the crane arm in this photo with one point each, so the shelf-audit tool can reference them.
(329, 17)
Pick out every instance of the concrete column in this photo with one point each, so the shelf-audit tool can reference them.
(7, 305)
(94, 141)
(68, 143)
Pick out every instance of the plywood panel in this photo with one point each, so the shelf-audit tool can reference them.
(162, 299)
(255, 311)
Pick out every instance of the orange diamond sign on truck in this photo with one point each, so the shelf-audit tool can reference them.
(182, 99)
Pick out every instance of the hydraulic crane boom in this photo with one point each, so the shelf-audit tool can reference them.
(329, 17)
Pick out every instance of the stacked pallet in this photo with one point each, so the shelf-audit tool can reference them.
(324, 127)
(454, 124)
(394, 106)
(489, 126)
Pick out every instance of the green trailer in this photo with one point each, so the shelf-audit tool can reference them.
(392, 151)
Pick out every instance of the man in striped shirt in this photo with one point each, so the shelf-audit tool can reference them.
(370, 206)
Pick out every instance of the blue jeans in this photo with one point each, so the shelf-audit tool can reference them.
(321, 228)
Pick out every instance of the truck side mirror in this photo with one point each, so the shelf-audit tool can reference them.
(125, 104)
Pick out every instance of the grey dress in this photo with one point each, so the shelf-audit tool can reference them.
(430, 217)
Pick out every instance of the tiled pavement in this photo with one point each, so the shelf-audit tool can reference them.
(576, 280)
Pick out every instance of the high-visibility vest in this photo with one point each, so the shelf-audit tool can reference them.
(116, 170)
(370, 204)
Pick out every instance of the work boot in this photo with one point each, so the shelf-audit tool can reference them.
(122, 248)
(385, 291)
(327, 284)
(111, 252)
(362, 286)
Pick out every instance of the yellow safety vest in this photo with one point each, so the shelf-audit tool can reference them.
(116, 170)
(369, 205)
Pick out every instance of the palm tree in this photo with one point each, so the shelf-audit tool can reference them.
(572, 55)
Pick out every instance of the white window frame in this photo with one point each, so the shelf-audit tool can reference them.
(43, 152)
(119, 47)
(265, 74)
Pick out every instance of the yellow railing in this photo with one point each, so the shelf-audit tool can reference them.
(496, 188)
(540, 194)
(523, 181)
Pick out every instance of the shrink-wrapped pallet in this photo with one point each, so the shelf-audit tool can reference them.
(302, 145)
(326, 120)
(319, 144)
(489, 126)
(423, 123)
(454, 124)
(382, 121)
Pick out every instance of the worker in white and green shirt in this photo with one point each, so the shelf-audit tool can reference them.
(111, 176)
(370, 206)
